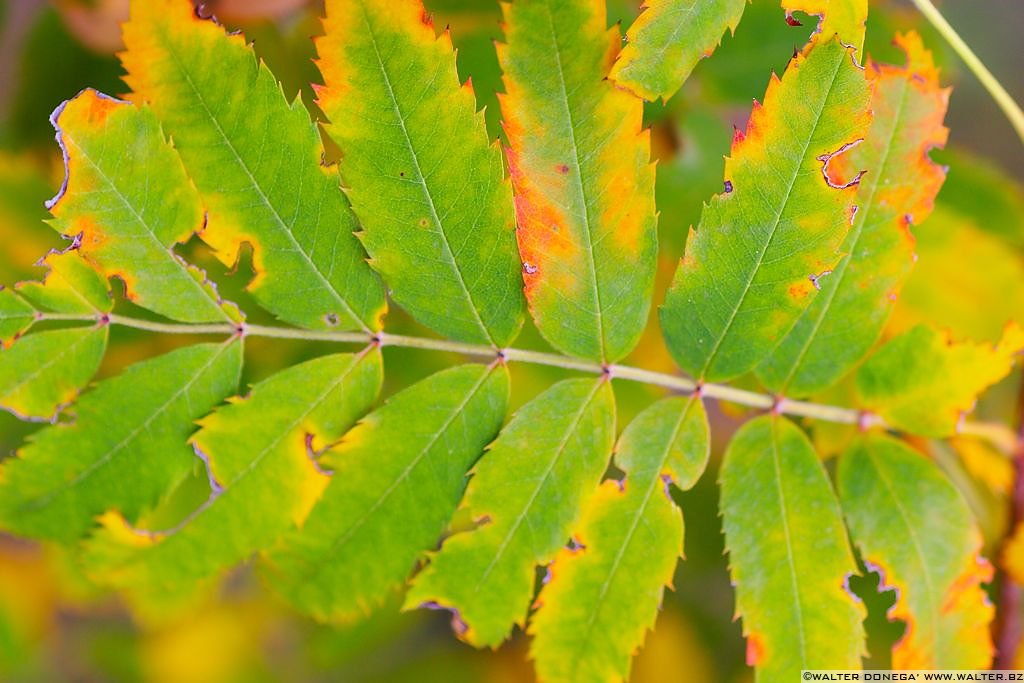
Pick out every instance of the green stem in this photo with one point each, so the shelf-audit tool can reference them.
(720, 392)
(996, 90)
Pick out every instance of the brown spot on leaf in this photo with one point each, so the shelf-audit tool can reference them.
(801, 289)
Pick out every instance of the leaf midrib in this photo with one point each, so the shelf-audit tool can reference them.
(403, 475)
(556, 457)
(113, 450)
(577, 174)
(427, 193)
(52, 360)
(933, 606)
(775, 224)
(264, 199)
(634, 525)
(148, 230)
(240, 476)
(843, 266)
(790, 560)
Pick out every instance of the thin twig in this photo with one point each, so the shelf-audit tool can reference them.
(988, 81)
(995, 433)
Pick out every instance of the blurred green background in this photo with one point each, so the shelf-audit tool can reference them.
(970, 280)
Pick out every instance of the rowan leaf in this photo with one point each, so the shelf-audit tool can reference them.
(788, 554)
(525, 495)
(923, 382)
(71, 285)
(601, 598)
(255, 160)
(397, 480)
(44, 372)
(126, 201)
(846, 317)
(913, 528)
(580, 165)
(428, 187)
(260, 453)
(845, 18)
(959, 264)
(16, 316)
(125, 449)
(751, 268)
(668, 39)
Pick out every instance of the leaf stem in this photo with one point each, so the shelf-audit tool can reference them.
(995, 88)
(997, 434)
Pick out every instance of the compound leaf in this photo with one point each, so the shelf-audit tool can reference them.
(256, 161)
(525, 494)
(127, 201)
(126, 448)
(601, 597)
(846, 317)
(668, 39)
(580, 165)
(788, 554)
(397, 480)
(913, 528)
(924, 383)
(44, 372)
(428, 187)
(259, 451)
(752, 266)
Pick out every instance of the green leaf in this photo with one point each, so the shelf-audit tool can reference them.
(525, 494)
(255, 160)
(960, 262)
(788, 554)
(125, 449)
(600, 599)
(16, 316)
(71, 285)
(846, 318)
(580, 164)
(913, 528)
(397, 479)
(259, 451)
(127, 201)
(924, 383)
(668, 39)
(843, 18)
(752, 266)
(428, 187)
(44, 372)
